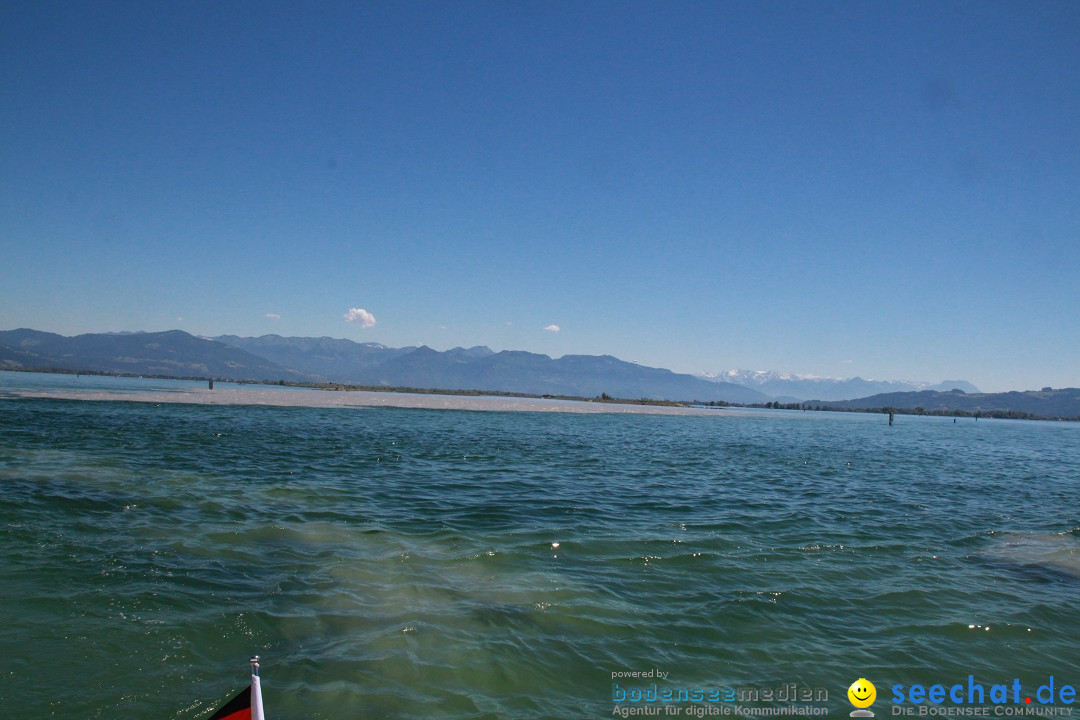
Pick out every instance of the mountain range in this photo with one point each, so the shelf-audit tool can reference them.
(1060, 403)
(789, 387)
(174, 352)
(301, 359)
(331, 360)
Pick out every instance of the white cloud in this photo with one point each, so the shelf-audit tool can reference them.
(273, 316)
(360, 315)
(552, 328)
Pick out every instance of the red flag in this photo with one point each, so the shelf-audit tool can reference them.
(239, 708)
(248, 704)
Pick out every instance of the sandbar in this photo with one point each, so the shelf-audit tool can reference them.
(357, 399)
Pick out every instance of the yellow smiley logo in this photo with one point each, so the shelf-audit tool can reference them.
(862, 693)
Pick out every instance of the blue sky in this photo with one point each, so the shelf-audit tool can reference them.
(889, 190)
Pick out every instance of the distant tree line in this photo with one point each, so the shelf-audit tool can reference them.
(941, 412)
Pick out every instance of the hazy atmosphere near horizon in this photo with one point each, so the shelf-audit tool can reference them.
(873, 189)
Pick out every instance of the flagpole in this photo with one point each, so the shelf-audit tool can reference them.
(256, 690)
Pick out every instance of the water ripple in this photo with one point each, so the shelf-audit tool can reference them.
(422, 564)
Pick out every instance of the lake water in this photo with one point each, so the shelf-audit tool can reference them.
(410, 563)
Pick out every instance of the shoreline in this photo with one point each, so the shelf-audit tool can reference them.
(272, 397)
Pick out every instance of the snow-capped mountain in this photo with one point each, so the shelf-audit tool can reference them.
(793, 387)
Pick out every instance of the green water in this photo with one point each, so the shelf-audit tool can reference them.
(395, 563)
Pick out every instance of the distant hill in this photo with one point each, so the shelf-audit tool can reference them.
(324, 359)
(173, 352)
(330, 359)
(273, 357)
(579, 375)
(1063, 403)
(18, 358)
(480, 368)
(791, 387)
